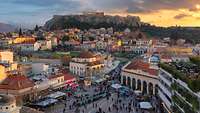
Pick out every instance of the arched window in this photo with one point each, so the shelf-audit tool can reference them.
(144, 87)
(133, 84)
(139, 84)
(150, 88)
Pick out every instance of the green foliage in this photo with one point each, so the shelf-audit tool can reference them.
(195, 60)
(193, 84)
(124, 55)
(65, 38)
(36, 28)
(180, 102)
(74, 53)
(192, 99)
(91, 38)
(20, 32)
(191, 35)
(174, 72)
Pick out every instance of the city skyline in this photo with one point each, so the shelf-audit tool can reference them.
(157, 12)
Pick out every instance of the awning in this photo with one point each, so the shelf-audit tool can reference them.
(47, 102)
(56, 95)
(116, 86)
(145, 105)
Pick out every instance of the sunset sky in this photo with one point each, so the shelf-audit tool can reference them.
(158, 12)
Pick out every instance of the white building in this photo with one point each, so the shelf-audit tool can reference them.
(165, 92)
(139, 75)
(28, 46)
(86, 63)
(45, 45)
(6, 56)
(38, 68)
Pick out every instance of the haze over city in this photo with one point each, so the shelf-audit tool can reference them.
(157, 12)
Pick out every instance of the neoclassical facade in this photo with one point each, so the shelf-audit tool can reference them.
(139, 75)
(86, 64)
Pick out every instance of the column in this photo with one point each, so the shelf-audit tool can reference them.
(131, 83)
(142, 86)
(136, 85)
(122, 79)
(154, 89)
(126, 80)
(147, 88)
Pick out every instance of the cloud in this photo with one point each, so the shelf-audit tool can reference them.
(143, 6)
(18, 10)
(181, 16)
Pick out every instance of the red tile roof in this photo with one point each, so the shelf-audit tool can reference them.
(137, 64)
(16, 83)
(68, 76)
(86, 54)
(55, 76)
(141, 65)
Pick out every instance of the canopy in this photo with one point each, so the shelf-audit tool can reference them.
(56, 95)
(138, 92)
(47, 102)
(145, 105)
(116, 86)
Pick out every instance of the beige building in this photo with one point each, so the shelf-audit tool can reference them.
(8, 104)
(2, 73)
(19, 86)
(139, 75)
(86, 64)
(6, 56)
(6, 63)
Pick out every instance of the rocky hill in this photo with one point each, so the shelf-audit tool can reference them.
(191, 34)
(92, 21)
(6, 27)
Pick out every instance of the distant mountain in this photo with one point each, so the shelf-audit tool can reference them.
(6, 27)
(59, 22)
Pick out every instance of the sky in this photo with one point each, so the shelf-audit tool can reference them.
(157, 12)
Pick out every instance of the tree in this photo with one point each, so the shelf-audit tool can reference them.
(20, 32)
(36, 28)
(91, 38)
(65, 38)
(65, 60)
